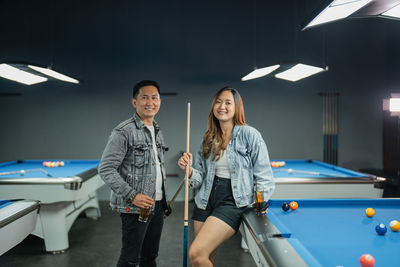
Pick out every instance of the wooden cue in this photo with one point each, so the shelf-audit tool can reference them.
(177, 192)
(186, 214)
(186, 211)
(26, 171)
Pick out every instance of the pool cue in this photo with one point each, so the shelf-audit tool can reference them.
(177, 192)
(186, 211)
(22, 172)
(306, 172)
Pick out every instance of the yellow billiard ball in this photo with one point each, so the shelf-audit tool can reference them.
(370, 212)
(395, 225)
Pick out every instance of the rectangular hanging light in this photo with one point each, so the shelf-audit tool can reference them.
(394, 105)
(17, 75)
(54, 74)
(298, 72)
(338, 9)
(394, 12)
(258, 73)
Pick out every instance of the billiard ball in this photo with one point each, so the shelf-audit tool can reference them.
(285, 206)
(367, 260)
(293, 205)
(395, 225)
(290, 170)
(381, 229)
(62, 163)
(370, 212)
(22, 172)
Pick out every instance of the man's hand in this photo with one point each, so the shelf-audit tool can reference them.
(143, 201)
(167, 211)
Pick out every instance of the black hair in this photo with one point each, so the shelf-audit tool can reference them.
(143, 83)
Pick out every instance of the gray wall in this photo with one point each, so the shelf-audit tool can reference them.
(194, 50)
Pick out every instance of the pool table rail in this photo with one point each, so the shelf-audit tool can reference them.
(268, 249)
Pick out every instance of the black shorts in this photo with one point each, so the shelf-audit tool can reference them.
(221, 205)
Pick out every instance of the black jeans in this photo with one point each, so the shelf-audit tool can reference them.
(140, 241)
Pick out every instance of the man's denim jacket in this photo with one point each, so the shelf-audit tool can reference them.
(128, 163)
(249, 168)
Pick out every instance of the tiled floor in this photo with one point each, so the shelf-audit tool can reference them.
(97, 243)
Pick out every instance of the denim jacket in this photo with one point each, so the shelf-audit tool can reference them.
(128, 163)
(249, 168)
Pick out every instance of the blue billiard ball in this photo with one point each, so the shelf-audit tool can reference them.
(381, 229)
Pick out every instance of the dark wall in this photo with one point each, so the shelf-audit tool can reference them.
(192, 49)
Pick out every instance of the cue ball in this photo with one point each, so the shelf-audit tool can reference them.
(285, 206)
(293, 205)
(395, 225)
(367, 260)
(22, 172)
(381, 229)
(370, 212)
(290, 170)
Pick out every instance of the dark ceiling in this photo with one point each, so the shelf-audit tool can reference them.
(193, 41)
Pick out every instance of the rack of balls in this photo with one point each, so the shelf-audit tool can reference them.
(277, 164)
(51, 164)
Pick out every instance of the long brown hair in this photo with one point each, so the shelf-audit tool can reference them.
(213, 142)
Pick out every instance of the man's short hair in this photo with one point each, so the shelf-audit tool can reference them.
(143, 83)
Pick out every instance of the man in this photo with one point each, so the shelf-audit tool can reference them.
(133, 166)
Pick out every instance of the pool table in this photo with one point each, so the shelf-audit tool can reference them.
(323, 232)
(316, 179)
(17, 220)
(64, 192)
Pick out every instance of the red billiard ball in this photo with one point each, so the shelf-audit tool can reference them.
(293, 205)
(367, 260)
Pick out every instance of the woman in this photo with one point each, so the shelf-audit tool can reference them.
(231, 163)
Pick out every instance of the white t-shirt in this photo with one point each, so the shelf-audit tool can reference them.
(222, 166)
(159, 194)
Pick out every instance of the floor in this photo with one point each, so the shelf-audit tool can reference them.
(96, 243)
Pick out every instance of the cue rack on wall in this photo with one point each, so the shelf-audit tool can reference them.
(330, 126)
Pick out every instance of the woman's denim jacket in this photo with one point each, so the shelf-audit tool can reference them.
(128, 163)
(249, 168)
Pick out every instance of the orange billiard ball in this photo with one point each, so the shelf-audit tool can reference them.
(367, 260)
(370, 212)
(293, 205)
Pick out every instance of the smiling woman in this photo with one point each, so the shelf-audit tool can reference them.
(232, 161)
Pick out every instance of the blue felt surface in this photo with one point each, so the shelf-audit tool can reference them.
(326, 170)
(71, 168)
(5, 203)
(336, 232)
